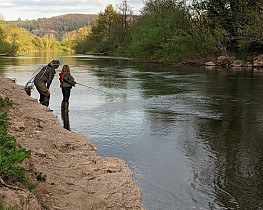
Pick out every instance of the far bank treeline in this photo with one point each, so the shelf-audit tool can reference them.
(166, 31)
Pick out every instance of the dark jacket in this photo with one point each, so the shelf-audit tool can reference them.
(46, 75)
(66, 81)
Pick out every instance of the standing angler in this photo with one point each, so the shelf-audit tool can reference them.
(44, 79)
(66, 83)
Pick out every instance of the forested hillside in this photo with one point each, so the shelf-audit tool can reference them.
(165, 31)
(58, 25)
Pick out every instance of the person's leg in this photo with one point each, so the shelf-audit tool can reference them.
(44, 94)
(65, 103)
(41, 99)
(66, 94)
(63, 100)
(63, 94)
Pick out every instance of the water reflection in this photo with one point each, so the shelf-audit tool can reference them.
(235, 140)
(192, 137)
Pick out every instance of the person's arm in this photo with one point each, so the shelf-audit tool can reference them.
(70, 80)
(50, 76)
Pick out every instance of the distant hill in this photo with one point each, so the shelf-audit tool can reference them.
(57, 25)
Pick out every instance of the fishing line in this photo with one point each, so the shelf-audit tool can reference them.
(123, 94)
(92, 88)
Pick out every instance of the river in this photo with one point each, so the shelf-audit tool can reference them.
(193, 137)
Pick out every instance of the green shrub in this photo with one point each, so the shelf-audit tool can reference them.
(5, 102)
(169, 35)
(10, 156)
(2, 207)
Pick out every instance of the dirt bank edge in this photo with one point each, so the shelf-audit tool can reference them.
(77, 177)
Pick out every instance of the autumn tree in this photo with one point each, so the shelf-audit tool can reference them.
(38, 43)
(5, 47)
(19, 38)
(75, 39)
(106, 29)
(108, 33)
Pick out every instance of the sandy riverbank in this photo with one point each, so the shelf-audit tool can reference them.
(77, 178)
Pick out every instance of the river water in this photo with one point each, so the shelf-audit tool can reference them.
(193, 138)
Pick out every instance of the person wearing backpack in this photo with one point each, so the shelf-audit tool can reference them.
(43, 80)
(66, 83)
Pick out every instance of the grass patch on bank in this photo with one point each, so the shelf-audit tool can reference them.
(10, 157)
(2, 207)
(12, 175)
(5, 103)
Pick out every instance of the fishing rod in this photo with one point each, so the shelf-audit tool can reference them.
(92, 88)
(30, 84)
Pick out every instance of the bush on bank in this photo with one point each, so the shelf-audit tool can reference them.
(10, 156)
(2, 207)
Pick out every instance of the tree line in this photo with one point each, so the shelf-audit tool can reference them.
(43, 34)
(170, 30)
(57, 25)
(16, 40)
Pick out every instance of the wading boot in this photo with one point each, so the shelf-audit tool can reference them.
(66, 106)
(63, 106)
(45, 101)
(65, 119)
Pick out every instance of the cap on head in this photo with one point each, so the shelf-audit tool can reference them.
(54, 63)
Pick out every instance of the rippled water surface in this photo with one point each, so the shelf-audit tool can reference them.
(192, 137)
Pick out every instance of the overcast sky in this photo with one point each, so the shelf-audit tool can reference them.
(34, 9)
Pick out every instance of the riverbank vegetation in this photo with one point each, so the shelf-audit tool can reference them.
(58, 26)
(44, 34)
(2, 207)
(165, 31)
(171, 31)
(16, 40)
(10, 156)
